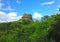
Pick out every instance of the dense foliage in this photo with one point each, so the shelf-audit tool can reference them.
(45, 30)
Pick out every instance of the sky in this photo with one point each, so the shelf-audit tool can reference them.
(12, 10)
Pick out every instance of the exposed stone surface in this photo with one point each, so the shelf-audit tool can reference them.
(27, 16)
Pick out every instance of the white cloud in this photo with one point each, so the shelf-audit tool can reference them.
(2, 21)
(47, 3)
(37, 15)
(12, 16)
(1, 4)
(17, 1)
(7, 17)
(58, 7)
(2, 14)
(7, 8)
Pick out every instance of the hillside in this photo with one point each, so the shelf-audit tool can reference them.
(45, 30)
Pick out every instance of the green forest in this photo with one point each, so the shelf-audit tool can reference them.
(47, 29)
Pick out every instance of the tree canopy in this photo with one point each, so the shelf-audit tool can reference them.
(45, 30)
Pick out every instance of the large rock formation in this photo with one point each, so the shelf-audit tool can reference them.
(27, 16)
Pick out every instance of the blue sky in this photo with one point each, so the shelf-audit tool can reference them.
(11, 10)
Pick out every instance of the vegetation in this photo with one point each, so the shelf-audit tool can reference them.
(45, 30)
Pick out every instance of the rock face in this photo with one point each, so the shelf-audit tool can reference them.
(27, 16)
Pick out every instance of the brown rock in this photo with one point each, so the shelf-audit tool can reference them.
(27, 16)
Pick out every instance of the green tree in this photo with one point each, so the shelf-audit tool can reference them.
(54, 32)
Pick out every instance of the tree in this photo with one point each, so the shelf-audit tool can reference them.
(54, 32)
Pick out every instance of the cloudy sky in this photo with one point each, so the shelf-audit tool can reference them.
(11, 10)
